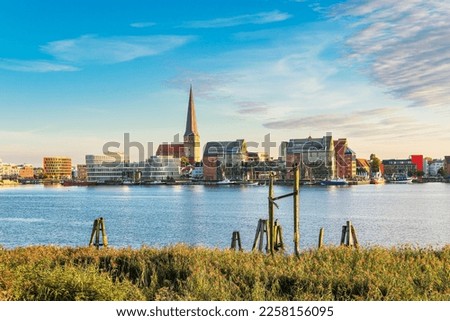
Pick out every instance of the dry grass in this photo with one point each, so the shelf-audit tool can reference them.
(185, 273)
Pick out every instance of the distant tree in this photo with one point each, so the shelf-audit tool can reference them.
(184, 161)
(375, 163)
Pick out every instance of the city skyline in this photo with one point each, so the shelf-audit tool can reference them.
(77, 75)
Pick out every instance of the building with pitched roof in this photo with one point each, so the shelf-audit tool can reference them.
(224, 159)
(190, 148)
(191, 135)
(345, 159)
(316, 157)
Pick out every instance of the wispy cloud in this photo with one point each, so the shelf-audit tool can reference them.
(405, 45)
(93, 49)
(376, 124)
(142, 24)
(257, 18)
(34, 65)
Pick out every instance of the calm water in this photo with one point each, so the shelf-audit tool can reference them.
(417, 214)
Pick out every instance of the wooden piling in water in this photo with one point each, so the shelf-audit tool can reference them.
(97, 229)
(279, 244)
(270, 228)
(261, 231)
(321, 238)
(355, 239)
(348, 236)
(296, 210)
(236, 241)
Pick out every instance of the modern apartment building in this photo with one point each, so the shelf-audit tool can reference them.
(399, 166)
(103, 169)
(57, 167)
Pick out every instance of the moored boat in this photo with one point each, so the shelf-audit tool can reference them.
(334, 182)
(399, 179)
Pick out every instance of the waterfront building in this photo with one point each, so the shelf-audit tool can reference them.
(160, 168)
(81, 172)
(363, 168)
(399, 166)
(282, 151)
(38, 172)
(447, 165)
(434, 166)
(345, 159)
(57, 167)
(197, 173)
(26, 171)
(418, 160)
(10, 171)
(316, 157)
(224, 159)
(104, 169)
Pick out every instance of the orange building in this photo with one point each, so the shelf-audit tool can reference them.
(26, 171)
(58, 167)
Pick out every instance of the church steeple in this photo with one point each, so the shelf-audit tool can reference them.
(191, 136)
(191, 122)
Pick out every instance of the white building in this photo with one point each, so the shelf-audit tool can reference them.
(10, 171)
(105, 169)
(435, 166)
(197, 173)
(159, 168)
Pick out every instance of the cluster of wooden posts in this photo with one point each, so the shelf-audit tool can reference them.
(98, 232)
(270, 231)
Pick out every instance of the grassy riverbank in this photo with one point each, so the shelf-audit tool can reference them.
(184, 273)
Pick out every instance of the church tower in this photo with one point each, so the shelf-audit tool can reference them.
(191, 136)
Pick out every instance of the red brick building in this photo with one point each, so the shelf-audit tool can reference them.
(345, 159)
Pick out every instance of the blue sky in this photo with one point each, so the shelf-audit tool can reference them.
(77, 74)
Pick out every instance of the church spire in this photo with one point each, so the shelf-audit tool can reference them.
(191, 122)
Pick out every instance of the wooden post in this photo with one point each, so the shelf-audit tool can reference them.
(321, 238)
(344, 230)
(261, 229)
(349, 238)
(271, 217)
(279, 244)
(355, 239)
(296, 210)
(236, 238)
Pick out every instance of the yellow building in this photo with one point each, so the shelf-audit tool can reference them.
(58, 167)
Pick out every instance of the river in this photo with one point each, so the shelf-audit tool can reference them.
(386, 215)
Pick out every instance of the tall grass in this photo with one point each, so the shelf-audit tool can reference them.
(185, 273)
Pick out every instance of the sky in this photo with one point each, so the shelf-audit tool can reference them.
(75, 75)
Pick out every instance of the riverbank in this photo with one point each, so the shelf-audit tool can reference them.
(185, 273)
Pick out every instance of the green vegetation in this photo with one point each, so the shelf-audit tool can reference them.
(185, 273)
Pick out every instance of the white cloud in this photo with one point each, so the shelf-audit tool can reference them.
(257, 18)
(93, 49)
(34, 65)
(142, 24)
(405, 45)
